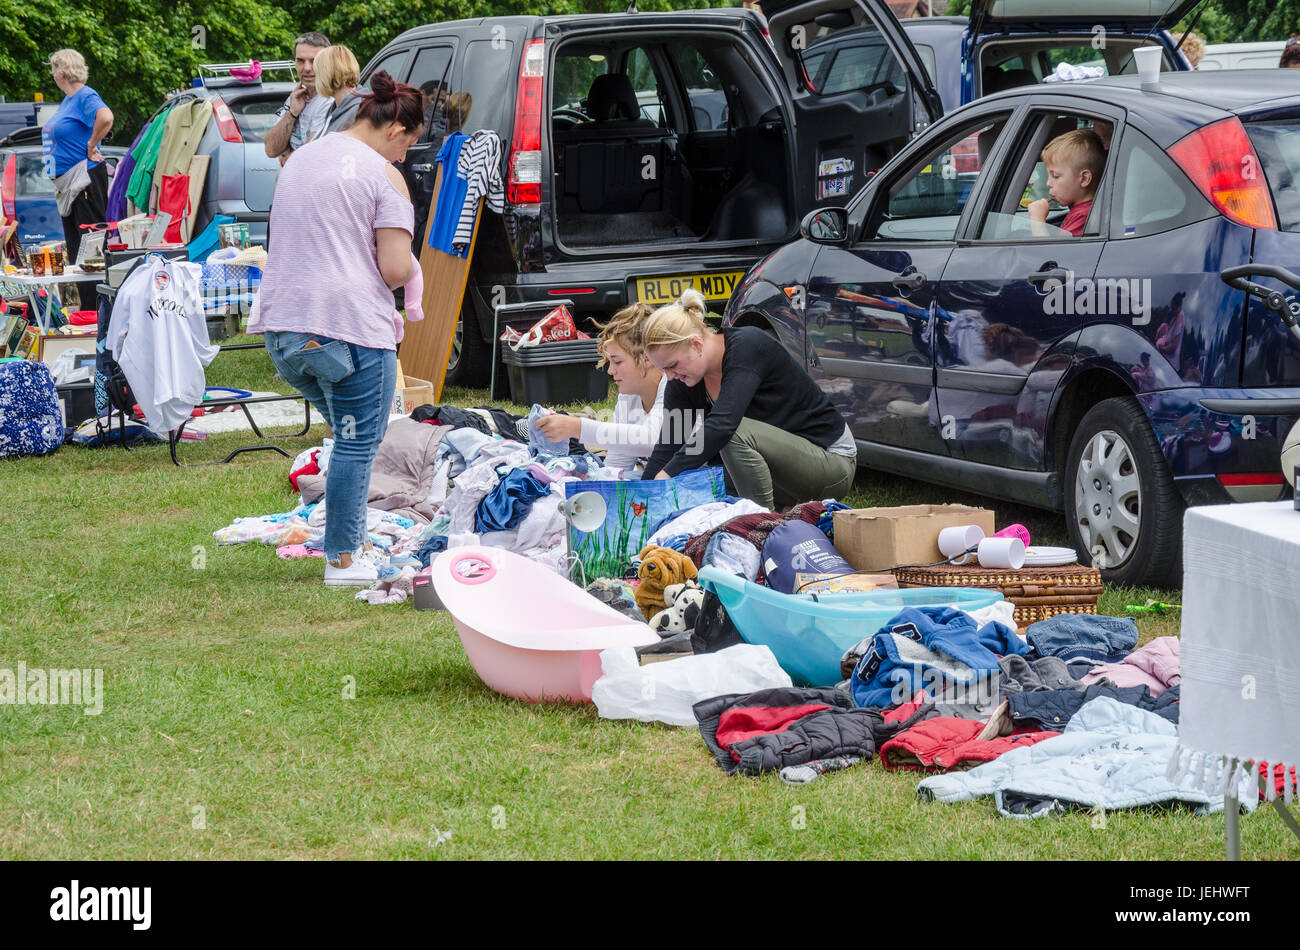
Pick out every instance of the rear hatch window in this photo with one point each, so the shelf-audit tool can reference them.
(255, 115)
(1278, 145)
(31, 176)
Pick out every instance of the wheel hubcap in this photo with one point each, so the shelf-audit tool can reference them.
(1108, 499)
(455, 348)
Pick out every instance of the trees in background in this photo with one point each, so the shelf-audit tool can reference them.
(139, 50)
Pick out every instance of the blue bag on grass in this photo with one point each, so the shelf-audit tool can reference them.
(31, 417)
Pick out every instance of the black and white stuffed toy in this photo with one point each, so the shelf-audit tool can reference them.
(683, 610)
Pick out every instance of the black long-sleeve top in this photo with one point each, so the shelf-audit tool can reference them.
(760, 381)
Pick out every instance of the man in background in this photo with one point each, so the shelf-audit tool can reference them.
(304, 114)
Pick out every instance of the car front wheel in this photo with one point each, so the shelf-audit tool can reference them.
(1123, 510)
(470, 361)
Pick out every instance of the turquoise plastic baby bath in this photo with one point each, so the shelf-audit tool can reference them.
(809, 636)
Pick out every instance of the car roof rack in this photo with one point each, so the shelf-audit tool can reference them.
(222, 71)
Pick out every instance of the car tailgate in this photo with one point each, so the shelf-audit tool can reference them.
(260, 175)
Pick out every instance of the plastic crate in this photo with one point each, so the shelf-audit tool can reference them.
(78, 400)
(556, 373)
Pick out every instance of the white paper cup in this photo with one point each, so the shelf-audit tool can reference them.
(1002, 552)
(957, 541)
(1148, 60)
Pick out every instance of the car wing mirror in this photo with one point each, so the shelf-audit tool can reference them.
(825, 226)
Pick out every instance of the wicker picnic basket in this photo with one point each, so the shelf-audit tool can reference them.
(1037, 592)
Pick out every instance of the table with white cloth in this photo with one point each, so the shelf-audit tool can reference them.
(1240, 700)
(31, 285)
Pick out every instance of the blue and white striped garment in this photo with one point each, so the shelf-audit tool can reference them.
(479, 165)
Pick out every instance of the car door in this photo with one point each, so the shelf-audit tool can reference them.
(870, 304)
(858, 90)
(1011, 300)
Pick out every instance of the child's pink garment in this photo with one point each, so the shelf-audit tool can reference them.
(414, 290)
(1155, 666)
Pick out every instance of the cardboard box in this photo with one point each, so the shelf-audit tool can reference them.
(416, 392)
(877, 539)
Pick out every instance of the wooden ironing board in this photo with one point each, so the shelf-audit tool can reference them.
(426, 346)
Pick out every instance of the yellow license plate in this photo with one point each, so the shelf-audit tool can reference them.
(716, 287)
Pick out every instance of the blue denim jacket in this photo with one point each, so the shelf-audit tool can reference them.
(1083, 636)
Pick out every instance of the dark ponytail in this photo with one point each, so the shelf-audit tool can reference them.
(391, 101)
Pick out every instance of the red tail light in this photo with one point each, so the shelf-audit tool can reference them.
(524, 177)
(226, 123)
(9, 188)
(1222, 163)
(1262, 478)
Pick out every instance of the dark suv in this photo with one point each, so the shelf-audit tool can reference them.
(648, 152)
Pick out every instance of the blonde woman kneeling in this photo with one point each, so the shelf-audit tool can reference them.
(781, 440)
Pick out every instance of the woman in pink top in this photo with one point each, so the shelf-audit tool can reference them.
(340, 238)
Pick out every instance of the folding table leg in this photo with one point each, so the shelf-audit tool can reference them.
(1232, 825)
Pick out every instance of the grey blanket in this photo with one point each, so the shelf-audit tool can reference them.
(403, 471)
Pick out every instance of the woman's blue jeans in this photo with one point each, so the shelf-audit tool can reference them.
(352, 387)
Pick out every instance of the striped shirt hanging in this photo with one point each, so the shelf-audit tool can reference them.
(479, 166)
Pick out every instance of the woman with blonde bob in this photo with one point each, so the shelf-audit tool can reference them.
(781, 440)
(638, 414)
(337, 76)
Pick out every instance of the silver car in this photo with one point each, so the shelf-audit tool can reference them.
(241, 178)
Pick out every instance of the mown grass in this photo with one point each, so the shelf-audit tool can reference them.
(226, 730)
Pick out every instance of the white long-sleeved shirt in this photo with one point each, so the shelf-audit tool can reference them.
(159, 336)
(633, 433)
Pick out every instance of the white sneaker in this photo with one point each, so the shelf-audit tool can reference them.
(360, 573)
(374, 556)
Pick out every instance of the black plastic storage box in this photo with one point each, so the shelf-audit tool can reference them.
(78, 401)
(554, 374)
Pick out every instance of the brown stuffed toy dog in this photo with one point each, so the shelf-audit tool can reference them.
(660, 567)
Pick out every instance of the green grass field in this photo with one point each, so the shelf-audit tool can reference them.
(248, 712)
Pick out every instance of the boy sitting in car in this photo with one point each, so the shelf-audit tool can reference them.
(1074, 164)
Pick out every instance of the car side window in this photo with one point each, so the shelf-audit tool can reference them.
(1151, 193)
(927, 200)
(487, 77)
(394, 64)
(642, 74)
(843, 51)
(708, 99)
(1024, 207)
(429, 75)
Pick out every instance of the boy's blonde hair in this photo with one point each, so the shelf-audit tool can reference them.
(676, 322)
(624, 328)
(336, 68)
(1080, 149)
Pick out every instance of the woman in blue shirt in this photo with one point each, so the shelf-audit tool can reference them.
(73, 135)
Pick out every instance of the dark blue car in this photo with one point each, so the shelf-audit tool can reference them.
(1116, 375)
(27, 194)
